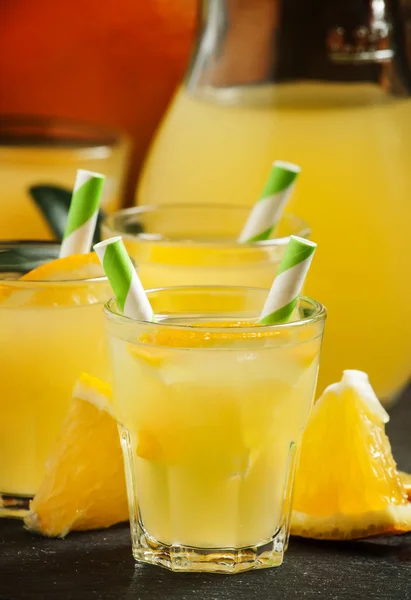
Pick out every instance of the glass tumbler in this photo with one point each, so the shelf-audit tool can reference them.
(211, 410)
(196, 244)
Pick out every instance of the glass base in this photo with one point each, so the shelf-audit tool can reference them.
(14, 507)
(209, 560)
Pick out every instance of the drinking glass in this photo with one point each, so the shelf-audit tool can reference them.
(196, 244)
(50, 331)
(211, 410)
(39, 157)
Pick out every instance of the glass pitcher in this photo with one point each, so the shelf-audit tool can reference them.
(325, 84)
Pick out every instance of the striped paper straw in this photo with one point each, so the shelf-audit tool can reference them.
(83, 212)
(267, 211)
(289, 281)
(130, 295)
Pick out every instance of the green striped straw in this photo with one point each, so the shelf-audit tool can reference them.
(284, 293)
(267, 211)
(82, 217)
(130, 295)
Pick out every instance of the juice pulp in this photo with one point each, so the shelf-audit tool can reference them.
(354, 146)
(23, 167)
(211, 423)
(43, 350)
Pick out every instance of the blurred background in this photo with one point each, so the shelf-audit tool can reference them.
(115, 63)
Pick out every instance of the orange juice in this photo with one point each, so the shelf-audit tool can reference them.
(47, 152)
(211, 415)
(194, 244)
(49, 333)
(353, 143)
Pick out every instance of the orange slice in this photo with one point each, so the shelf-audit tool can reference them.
(151, 356)
(69, 268)
(347, 485)
(196, 336)
(73, 280)
(83, 486)
(151, 350)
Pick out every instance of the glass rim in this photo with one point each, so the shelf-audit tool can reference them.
(96, 135)
(319, 315)
(27, 284)
(304, 230)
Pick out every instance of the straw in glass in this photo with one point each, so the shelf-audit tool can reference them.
(128, 290)
(284, 293)
(268, 209)
(82, 217)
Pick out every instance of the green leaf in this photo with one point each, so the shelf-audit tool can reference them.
(20, 257)
(54, 203)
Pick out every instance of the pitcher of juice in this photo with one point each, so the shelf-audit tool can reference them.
(325, 84)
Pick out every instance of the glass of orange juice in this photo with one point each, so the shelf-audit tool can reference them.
(196, 244)
(50, 331)
(211, 408)
(39, 157)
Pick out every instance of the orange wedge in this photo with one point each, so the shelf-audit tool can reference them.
(347, 485)
(73, 280)
(69, 268)
(197, 336)
(84, 485)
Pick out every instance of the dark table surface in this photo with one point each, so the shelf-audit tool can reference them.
(99, 565)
